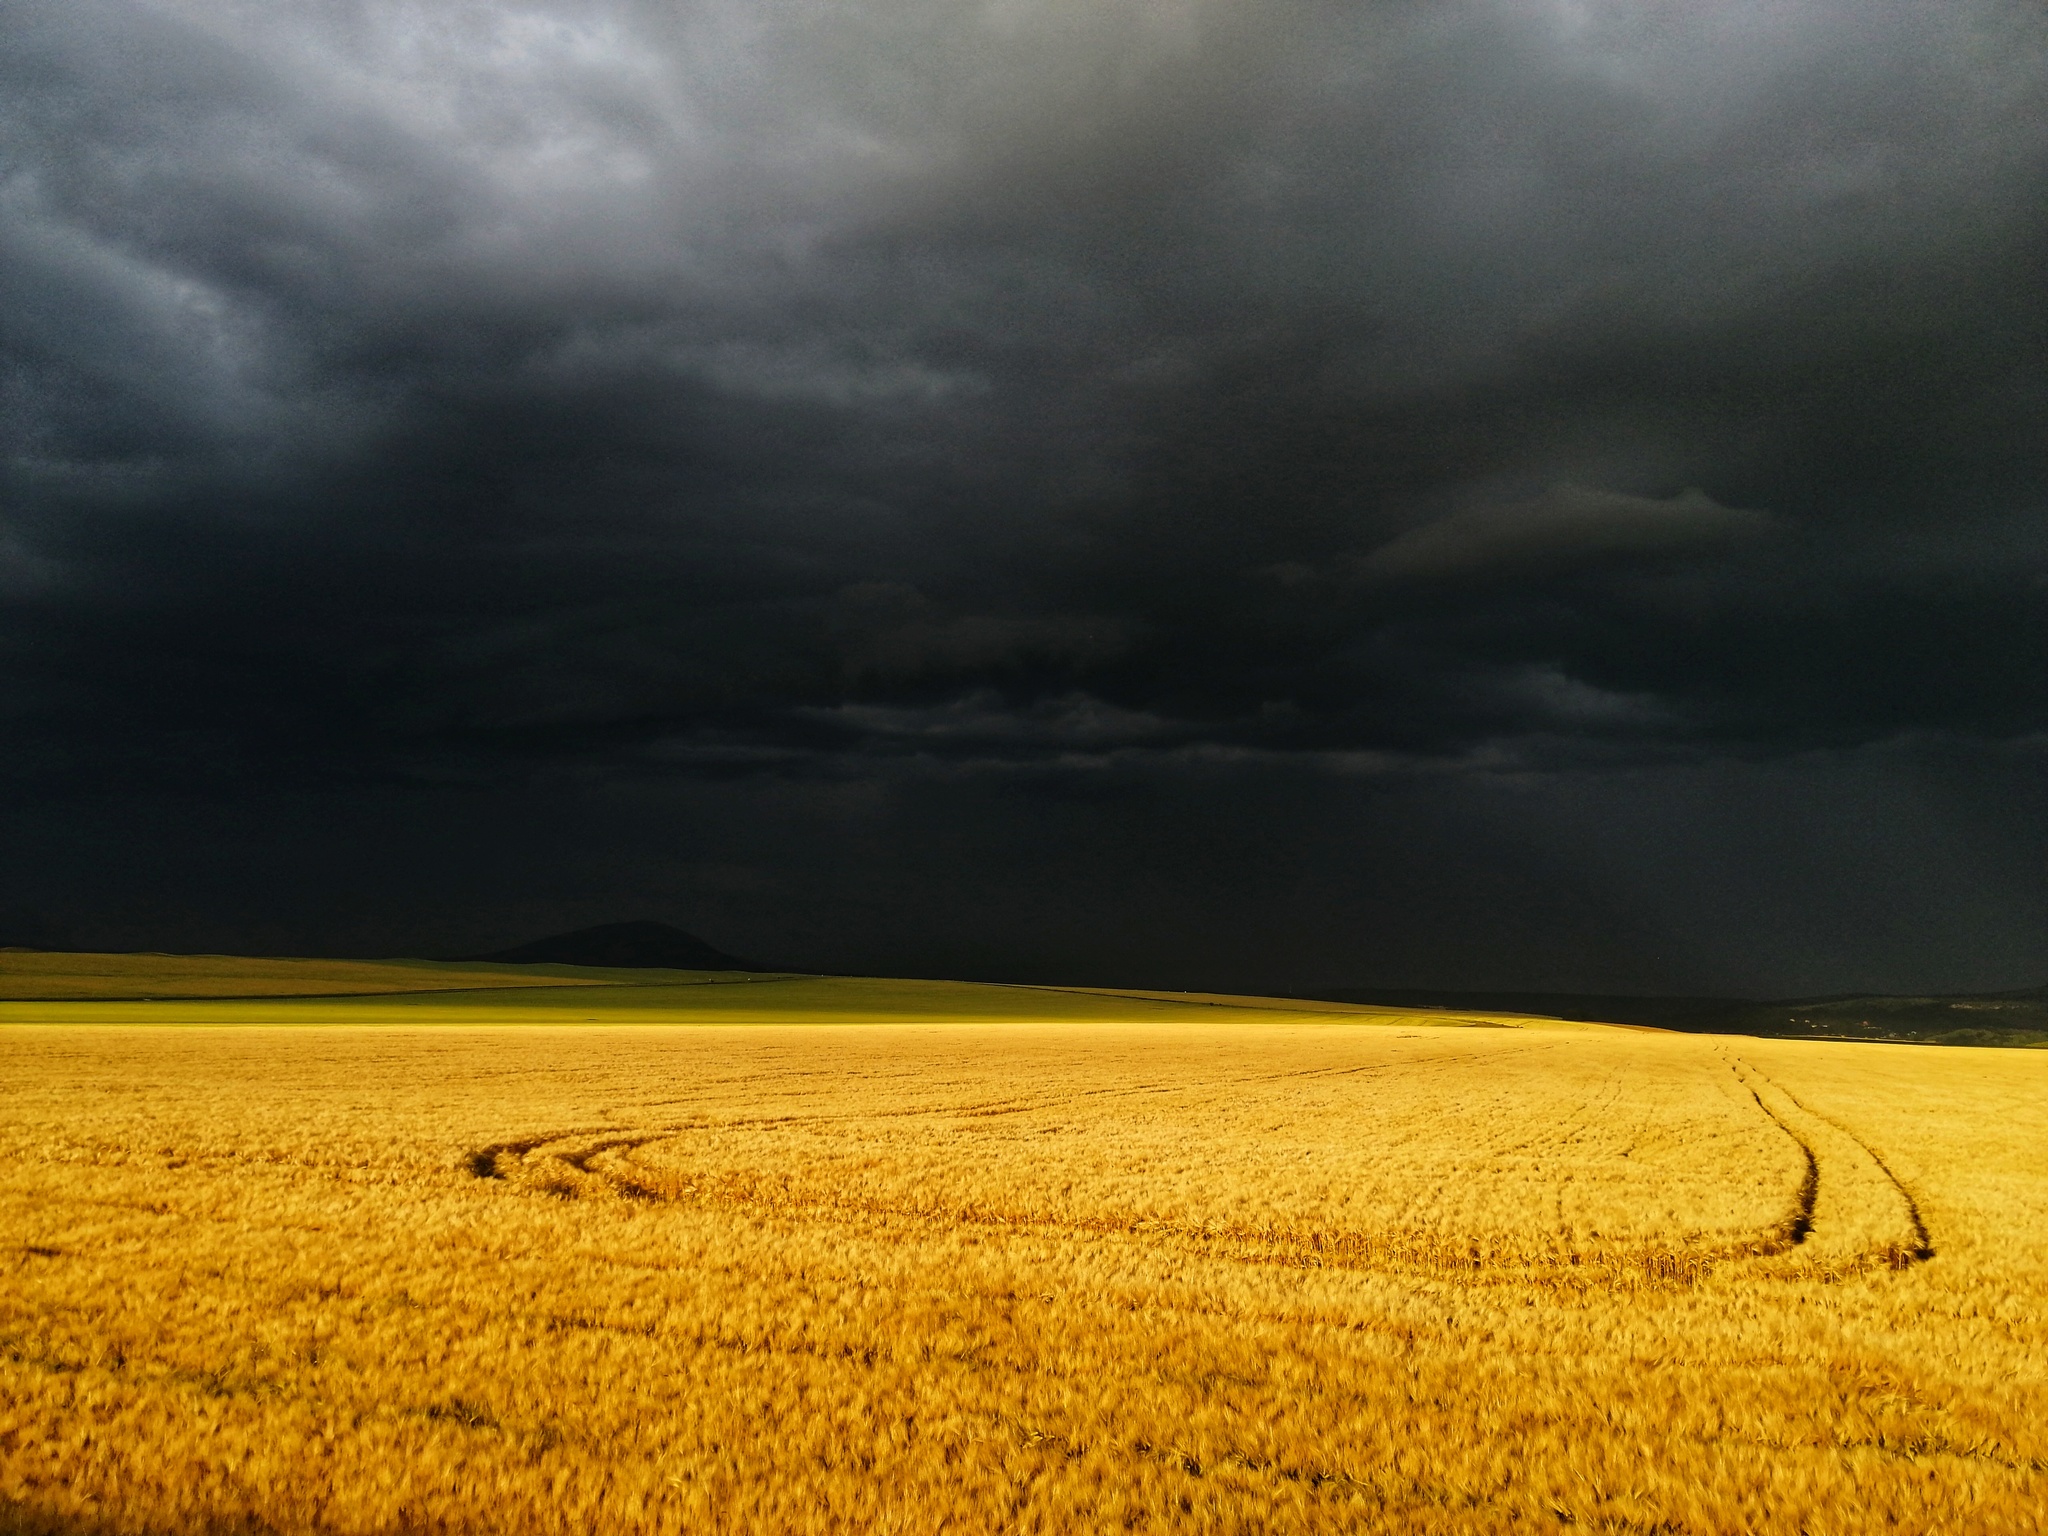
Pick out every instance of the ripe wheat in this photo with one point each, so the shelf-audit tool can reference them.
(1249, 1273)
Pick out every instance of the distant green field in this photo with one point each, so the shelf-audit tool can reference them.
(27, 974)
(216, 989)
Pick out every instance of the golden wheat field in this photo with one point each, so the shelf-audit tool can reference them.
(980, 1259)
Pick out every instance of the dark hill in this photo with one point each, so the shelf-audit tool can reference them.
(653, 946)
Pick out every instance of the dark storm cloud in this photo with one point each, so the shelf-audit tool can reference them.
(1568, 525)
(1088, 398)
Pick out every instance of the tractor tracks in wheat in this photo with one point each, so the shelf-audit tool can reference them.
(1808, 1129)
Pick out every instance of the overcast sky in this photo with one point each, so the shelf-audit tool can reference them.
(1522, 493)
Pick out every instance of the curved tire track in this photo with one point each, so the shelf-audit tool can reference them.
(1923, 1241)
(1918, 1250)
(1797, 1227)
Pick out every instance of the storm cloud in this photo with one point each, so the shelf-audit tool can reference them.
(1284, 493)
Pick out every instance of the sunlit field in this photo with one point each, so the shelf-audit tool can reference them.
(798, 1255)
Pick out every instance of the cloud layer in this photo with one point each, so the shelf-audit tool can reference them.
(1046, 401)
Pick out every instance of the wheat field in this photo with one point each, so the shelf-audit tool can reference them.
(1018, 1261)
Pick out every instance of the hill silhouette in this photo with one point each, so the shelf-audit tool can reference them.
(640, 946)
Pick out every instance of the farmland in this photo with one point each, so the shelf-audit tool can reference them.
(477, 1251)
